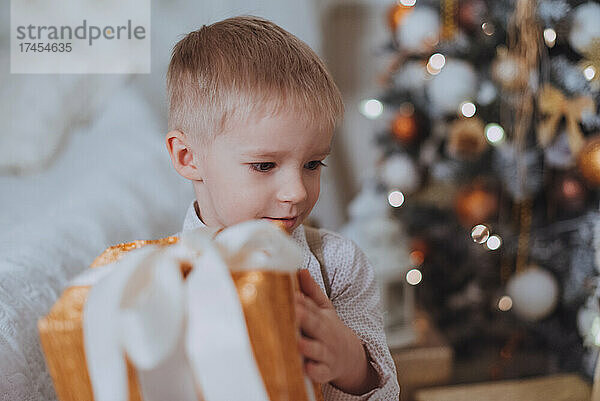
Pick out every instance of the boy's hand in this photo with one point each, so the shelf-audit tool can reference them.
(333, 353)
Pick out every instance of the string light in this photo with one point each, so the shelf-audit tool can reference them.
(480, 233)
(414, 276)
(436, 63)
(371, 108)
(550, 37)
(408, 3)
(494, 133)
(589, 72)
(431, 70)
(488, 28)
(493, 242)
(396, 198)
(468, 109)
(505, 303)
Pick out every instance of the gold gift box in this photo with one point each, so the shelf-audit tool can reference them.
(267, 299)
(559, 387)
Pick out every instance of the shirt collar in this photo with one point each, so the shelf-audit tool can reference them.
(192, 221)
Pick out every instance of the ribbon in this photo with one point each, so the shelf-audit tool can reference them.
(183, 337)
(553, 104)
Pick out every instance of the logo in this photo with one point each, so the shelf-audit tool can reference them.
(80, 36)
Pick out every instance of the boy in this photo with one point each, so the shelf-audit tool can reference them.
(252, 111)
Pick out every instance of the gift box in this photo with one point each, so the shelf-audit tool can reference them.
(426, 362)
(266, 298)
(561, 387)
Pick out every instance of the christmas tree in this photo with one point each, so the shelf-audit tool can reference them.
(491, 161)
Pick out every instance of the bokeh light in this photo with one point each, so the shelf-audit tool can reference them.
(505, 303)
(468, 109)
(549, 37)
(488, 28)
(371, 108)
(589, 72)
(493, 242)
(408, 3)
(494, 133)
(414, 276)
(437, 61)
(480, 233)
(396, 198)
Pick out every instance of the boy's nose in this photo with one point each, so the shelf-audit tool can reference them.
(293, 190)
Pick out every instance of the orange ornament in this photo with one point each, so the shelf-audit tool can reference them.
(588, 161)
(419, 251)
(569, 193)
(476, 204)
(396, 14)
(404, 125)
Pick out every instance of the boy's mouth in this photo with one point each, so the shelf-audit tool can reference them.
(287, 222)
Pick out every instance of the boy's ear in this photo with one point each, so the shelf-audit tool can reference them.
(182, 156)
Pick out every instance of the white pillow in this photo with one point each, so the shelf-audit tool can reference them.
(39, 112)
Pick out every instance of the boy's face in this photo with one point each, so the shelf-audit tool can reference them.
(266, 168)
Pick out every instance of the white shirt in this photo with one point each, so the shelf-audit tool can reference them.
(355, 296)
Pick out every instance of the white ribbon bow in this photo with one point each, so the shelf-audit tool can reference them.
(181, 334)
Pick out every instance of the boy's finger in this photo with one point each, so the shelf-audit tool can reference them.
(318, 372)
(313, 349)
(307, 313)
(299, 312)
(310, 322)
(305, 305)
(310, 287)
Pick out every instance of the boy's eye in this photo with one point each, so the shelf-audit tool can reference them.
(262, 167)
(315, 164)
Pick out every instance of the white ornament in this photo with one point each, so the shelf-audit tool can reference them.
(411, 77)
(376, 232)
(487, 93)
(588, 322)
(384, 242)
(456, 83)
(534, 293)
(585, 27)
(420, 30)
(399, 172)
(369, 203)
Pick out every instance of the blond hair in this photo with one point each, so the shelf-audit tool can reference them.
(243, 66)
